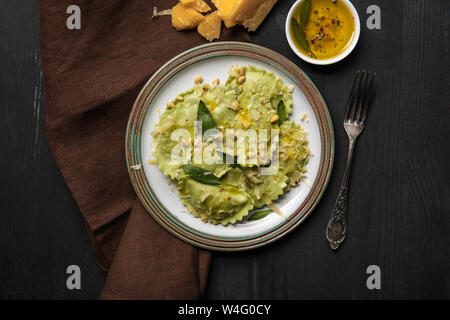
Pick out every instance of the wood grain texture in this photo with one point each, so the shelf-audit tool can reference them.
(399, 204)
(41, 228)
(399, 191)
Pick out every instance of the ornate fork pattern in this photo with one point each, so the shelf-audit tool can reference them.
(354, 121)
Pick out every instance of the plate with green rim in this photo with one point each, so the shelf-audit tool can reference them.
(157, 194)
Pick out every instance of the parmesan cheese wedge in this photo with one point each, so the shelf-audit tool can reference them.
(209, 28)
(184, 17)
(249, 13)
(199, 5)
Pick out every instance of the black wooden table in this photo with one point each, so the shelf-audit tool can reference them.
(399, 200)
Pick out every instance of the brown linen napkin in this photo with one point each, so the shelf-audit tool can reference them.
(92, 77)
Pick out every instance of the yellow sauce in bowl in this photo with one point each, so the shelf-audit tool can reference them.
(330, 28)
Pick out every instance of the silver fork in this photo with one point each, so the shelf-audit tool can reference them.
(354, 121)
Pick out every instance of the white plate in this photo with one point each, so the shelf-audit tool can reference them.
(210, 65)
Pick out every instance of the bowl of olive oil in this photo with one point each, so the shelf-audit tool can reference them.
(322, 31)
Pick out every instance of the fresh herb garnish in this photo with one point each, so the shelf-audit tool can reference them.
(201, 175)
(304, 162)
(205, 117)
(259, 214)
(305, 10)
(228, 159)
(281, 111)
(298, 29)
(300, 37)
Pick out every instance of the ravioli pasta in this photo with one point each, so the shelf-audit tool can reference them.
(249, 99)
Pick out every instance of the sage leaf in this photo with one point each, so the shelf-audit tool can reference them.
(305, 10)
(281, 111)
(201, 175)
(205, 117)
(228, 159)
(300, 37)
(259, 214)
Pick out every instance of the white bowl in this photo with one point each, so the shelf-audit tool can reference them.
(334, 59)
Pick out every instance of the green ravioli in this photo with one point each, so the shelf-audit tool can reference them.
(249, 99)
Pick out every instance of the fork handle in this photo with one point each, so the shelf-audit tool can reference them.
(337, 224)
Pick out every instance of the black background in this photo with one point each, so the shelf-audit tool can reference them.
(399, 203)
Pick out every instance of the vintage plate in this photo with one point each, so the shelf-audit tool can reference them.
(152, 187)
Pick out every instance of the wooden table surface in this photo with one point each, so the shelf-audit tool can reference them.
(399, 202)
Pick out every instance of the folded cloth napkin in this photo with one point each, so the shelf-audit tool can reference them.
(92, 77)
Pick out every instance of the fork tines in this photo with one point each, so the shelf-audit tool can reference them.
(358, 101)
